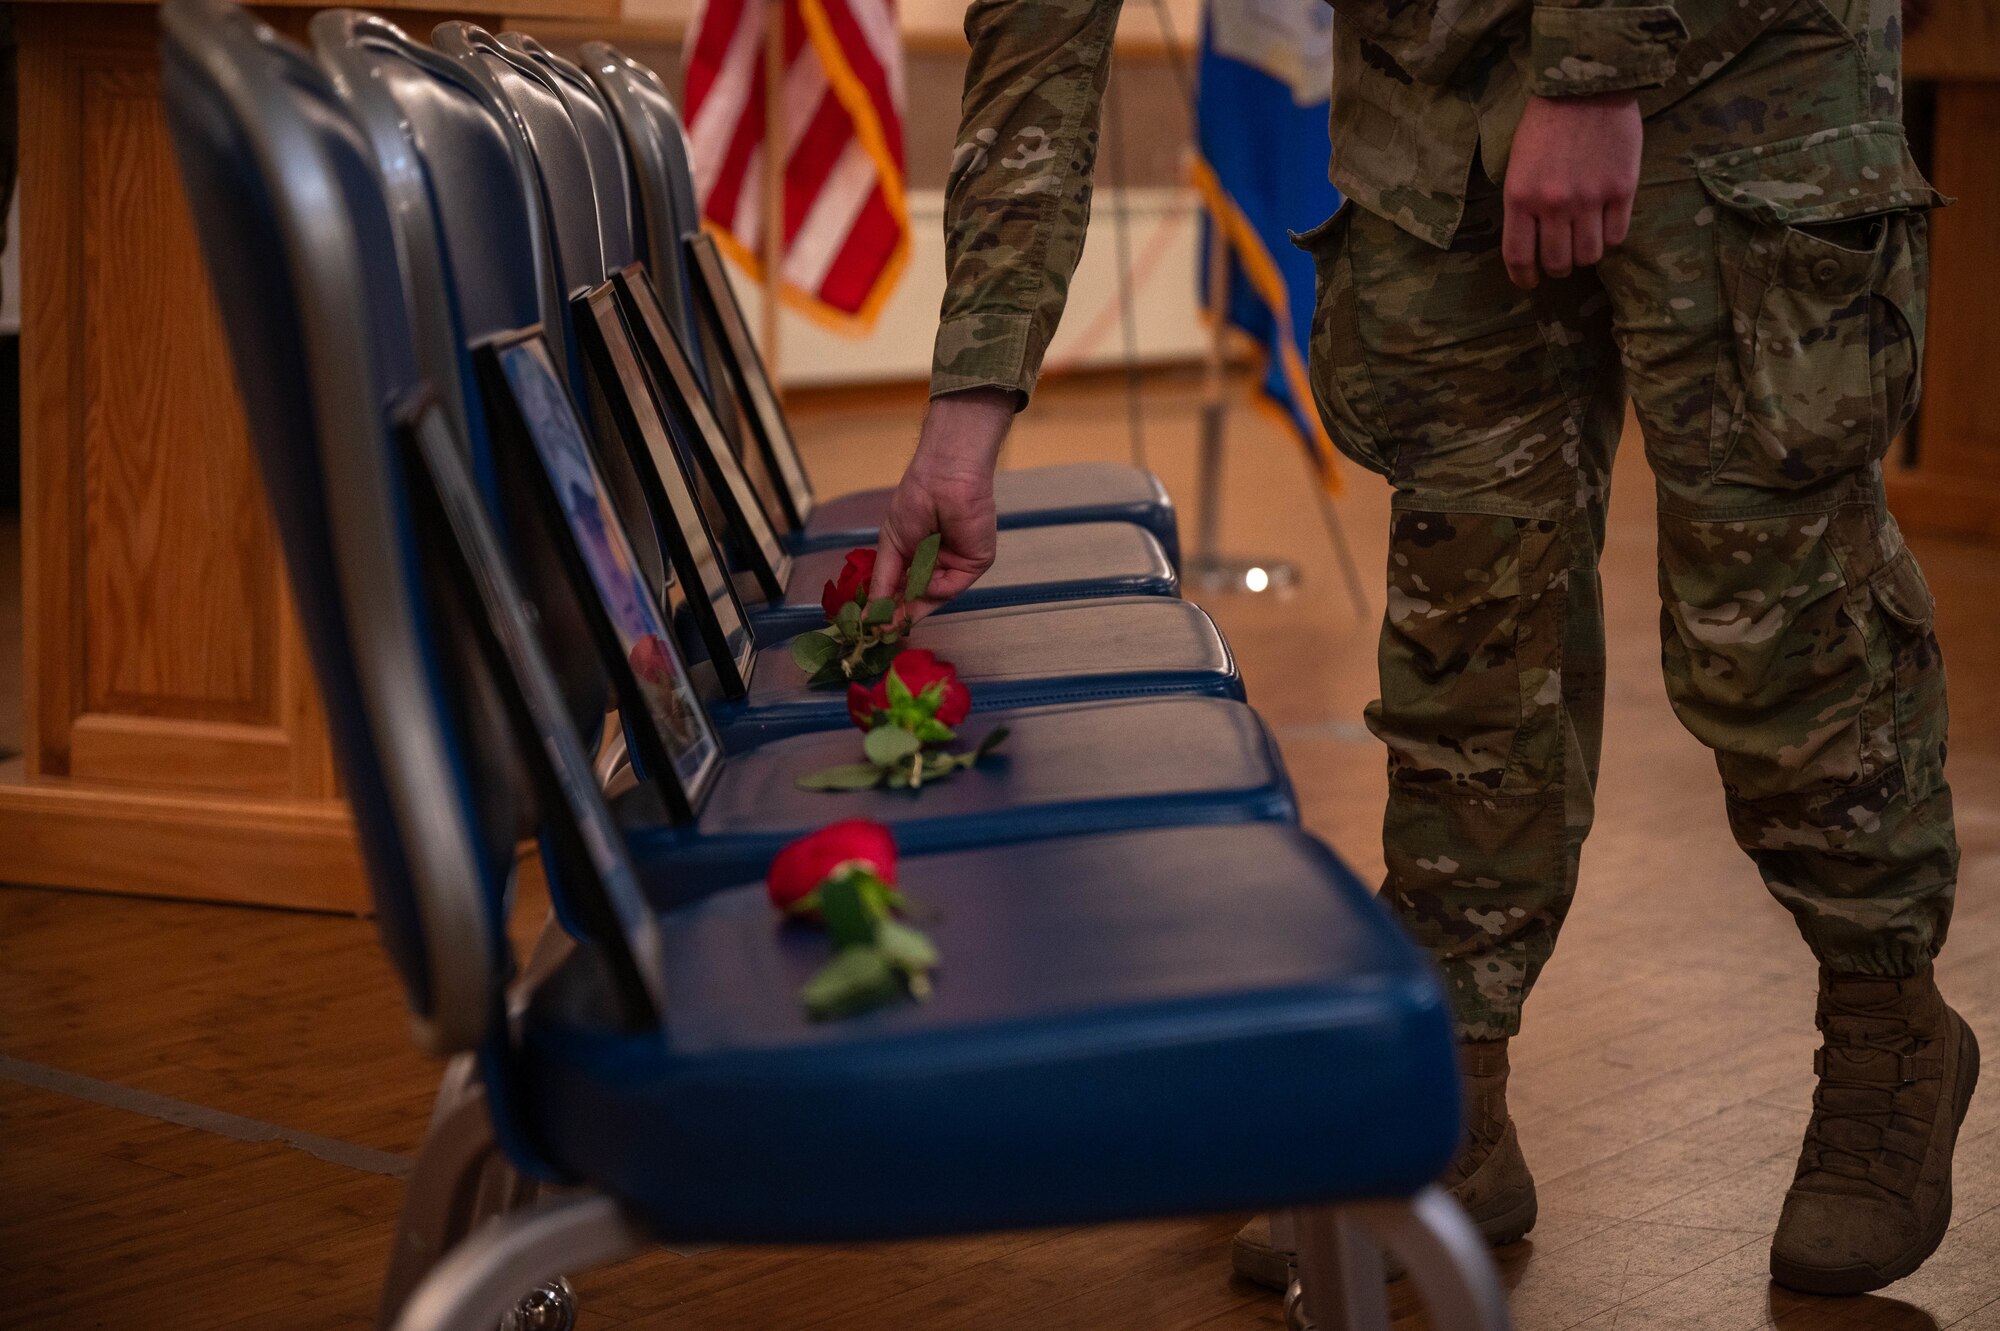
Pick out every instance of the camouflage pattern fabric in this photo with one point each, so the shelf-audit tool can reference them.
(1417, 87)
(1766, 318)
(1017, 198)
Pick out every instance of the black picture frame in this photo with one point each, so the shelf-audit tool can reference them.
(706, 591)
(596, 875)
(681, 399)
(673, 740)
(716, 300)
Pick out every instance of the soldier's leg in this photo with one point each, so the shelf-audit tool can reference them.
(1495, 417)
(1494, 414)
(1773, 361)
(1771, 366)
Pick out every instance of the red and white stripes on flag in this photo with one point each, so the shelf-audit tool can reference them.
(847, 224)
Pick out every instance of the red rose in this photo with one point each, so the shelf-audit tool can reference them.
(850, 582)
(802, 866)
(861, 706)
(918, 669)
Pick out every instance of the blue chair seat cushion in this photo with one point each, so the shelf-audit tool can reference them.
(1030, 497)
(1079, 561)
(1152, 762)
(1148, 1023)
(1013, 657)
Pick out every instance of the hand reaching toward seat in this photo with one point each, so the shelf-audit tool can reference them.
(947, 488)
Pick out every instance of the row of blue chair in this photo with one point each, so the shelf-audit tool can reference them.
(525, 471)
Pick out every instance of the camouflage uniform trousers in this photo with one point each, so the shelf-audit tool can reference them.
(1771, 356)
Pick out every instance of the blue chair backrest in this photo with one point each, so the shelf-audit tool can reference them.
(467, 195)
(452, 207)
(610, 172)
(541, 116)
(529, 105)
(302, 253)
(656, 142)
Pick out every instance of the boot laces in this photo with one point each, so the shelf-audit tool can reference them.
(1866, 1066)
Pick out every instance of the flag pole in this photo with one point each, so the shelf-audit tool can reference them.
(1215, 400)
(1211, 570)
(773, 226)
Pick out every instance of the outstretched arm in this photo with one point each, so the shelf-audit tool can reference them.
(1017, 202)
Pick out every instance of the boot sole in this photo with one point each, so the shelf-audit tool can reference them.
(1511, 1225)
(1864, 1279)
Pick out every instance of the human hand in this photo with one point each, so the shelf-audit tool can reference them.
(948, 489)
(1571, 176)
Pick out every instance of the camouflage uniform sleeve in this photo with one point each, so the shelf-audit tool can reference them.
(1592, 46)
(1017, 199)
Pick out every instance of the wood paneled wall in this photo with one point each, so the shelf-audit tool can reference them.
(1954, 485)
(174, 741)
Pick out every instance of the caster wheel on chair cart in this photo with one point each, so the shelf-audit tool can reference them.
(549, 1307)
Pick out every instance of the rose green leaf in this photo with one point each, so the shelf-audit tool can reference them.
(814, 650)
(933, 731)
(888, 745)
(907, 949)
(845, 776)
(845, 913)
(923, 562)
(857, 979)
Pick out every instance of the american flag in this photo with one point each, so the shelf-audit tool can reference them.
(847, 224)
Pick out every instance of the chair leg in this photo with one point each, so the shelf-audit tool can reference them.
(479, 1281)
(1340, 1286)
(460, 1177)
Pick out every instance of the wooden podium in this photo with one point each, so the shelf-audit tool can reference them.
(175, 742)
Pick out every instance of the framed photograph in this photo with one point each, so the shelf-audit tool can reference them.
(745, 369)
(596, 876)
(673, 740)
(701, 589)
(681, 400)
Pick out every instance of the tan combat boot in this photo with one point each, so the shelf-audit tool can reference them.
(1872, 1196)
(1488, 1176)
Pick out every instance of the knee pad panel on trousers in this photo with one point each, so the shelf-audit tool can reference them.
(1774, 654)
(1471, 653)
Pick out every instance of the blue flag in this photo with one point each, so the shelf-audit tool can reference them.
(1266, 75)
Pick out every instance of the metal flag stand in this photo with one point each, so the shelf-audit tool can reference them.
(1211, 570)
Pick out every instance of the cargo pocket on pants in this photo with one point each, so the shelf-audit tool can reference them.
(1825, 247)
(1335, 366)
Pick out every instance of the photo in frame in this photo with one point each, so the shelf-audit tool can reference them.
(454, 531)
(716, 299)
(702, 588)
(673, 740)
(681, 399)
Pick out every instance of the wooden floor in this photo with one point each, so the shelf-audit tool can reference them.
(204, 1110)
